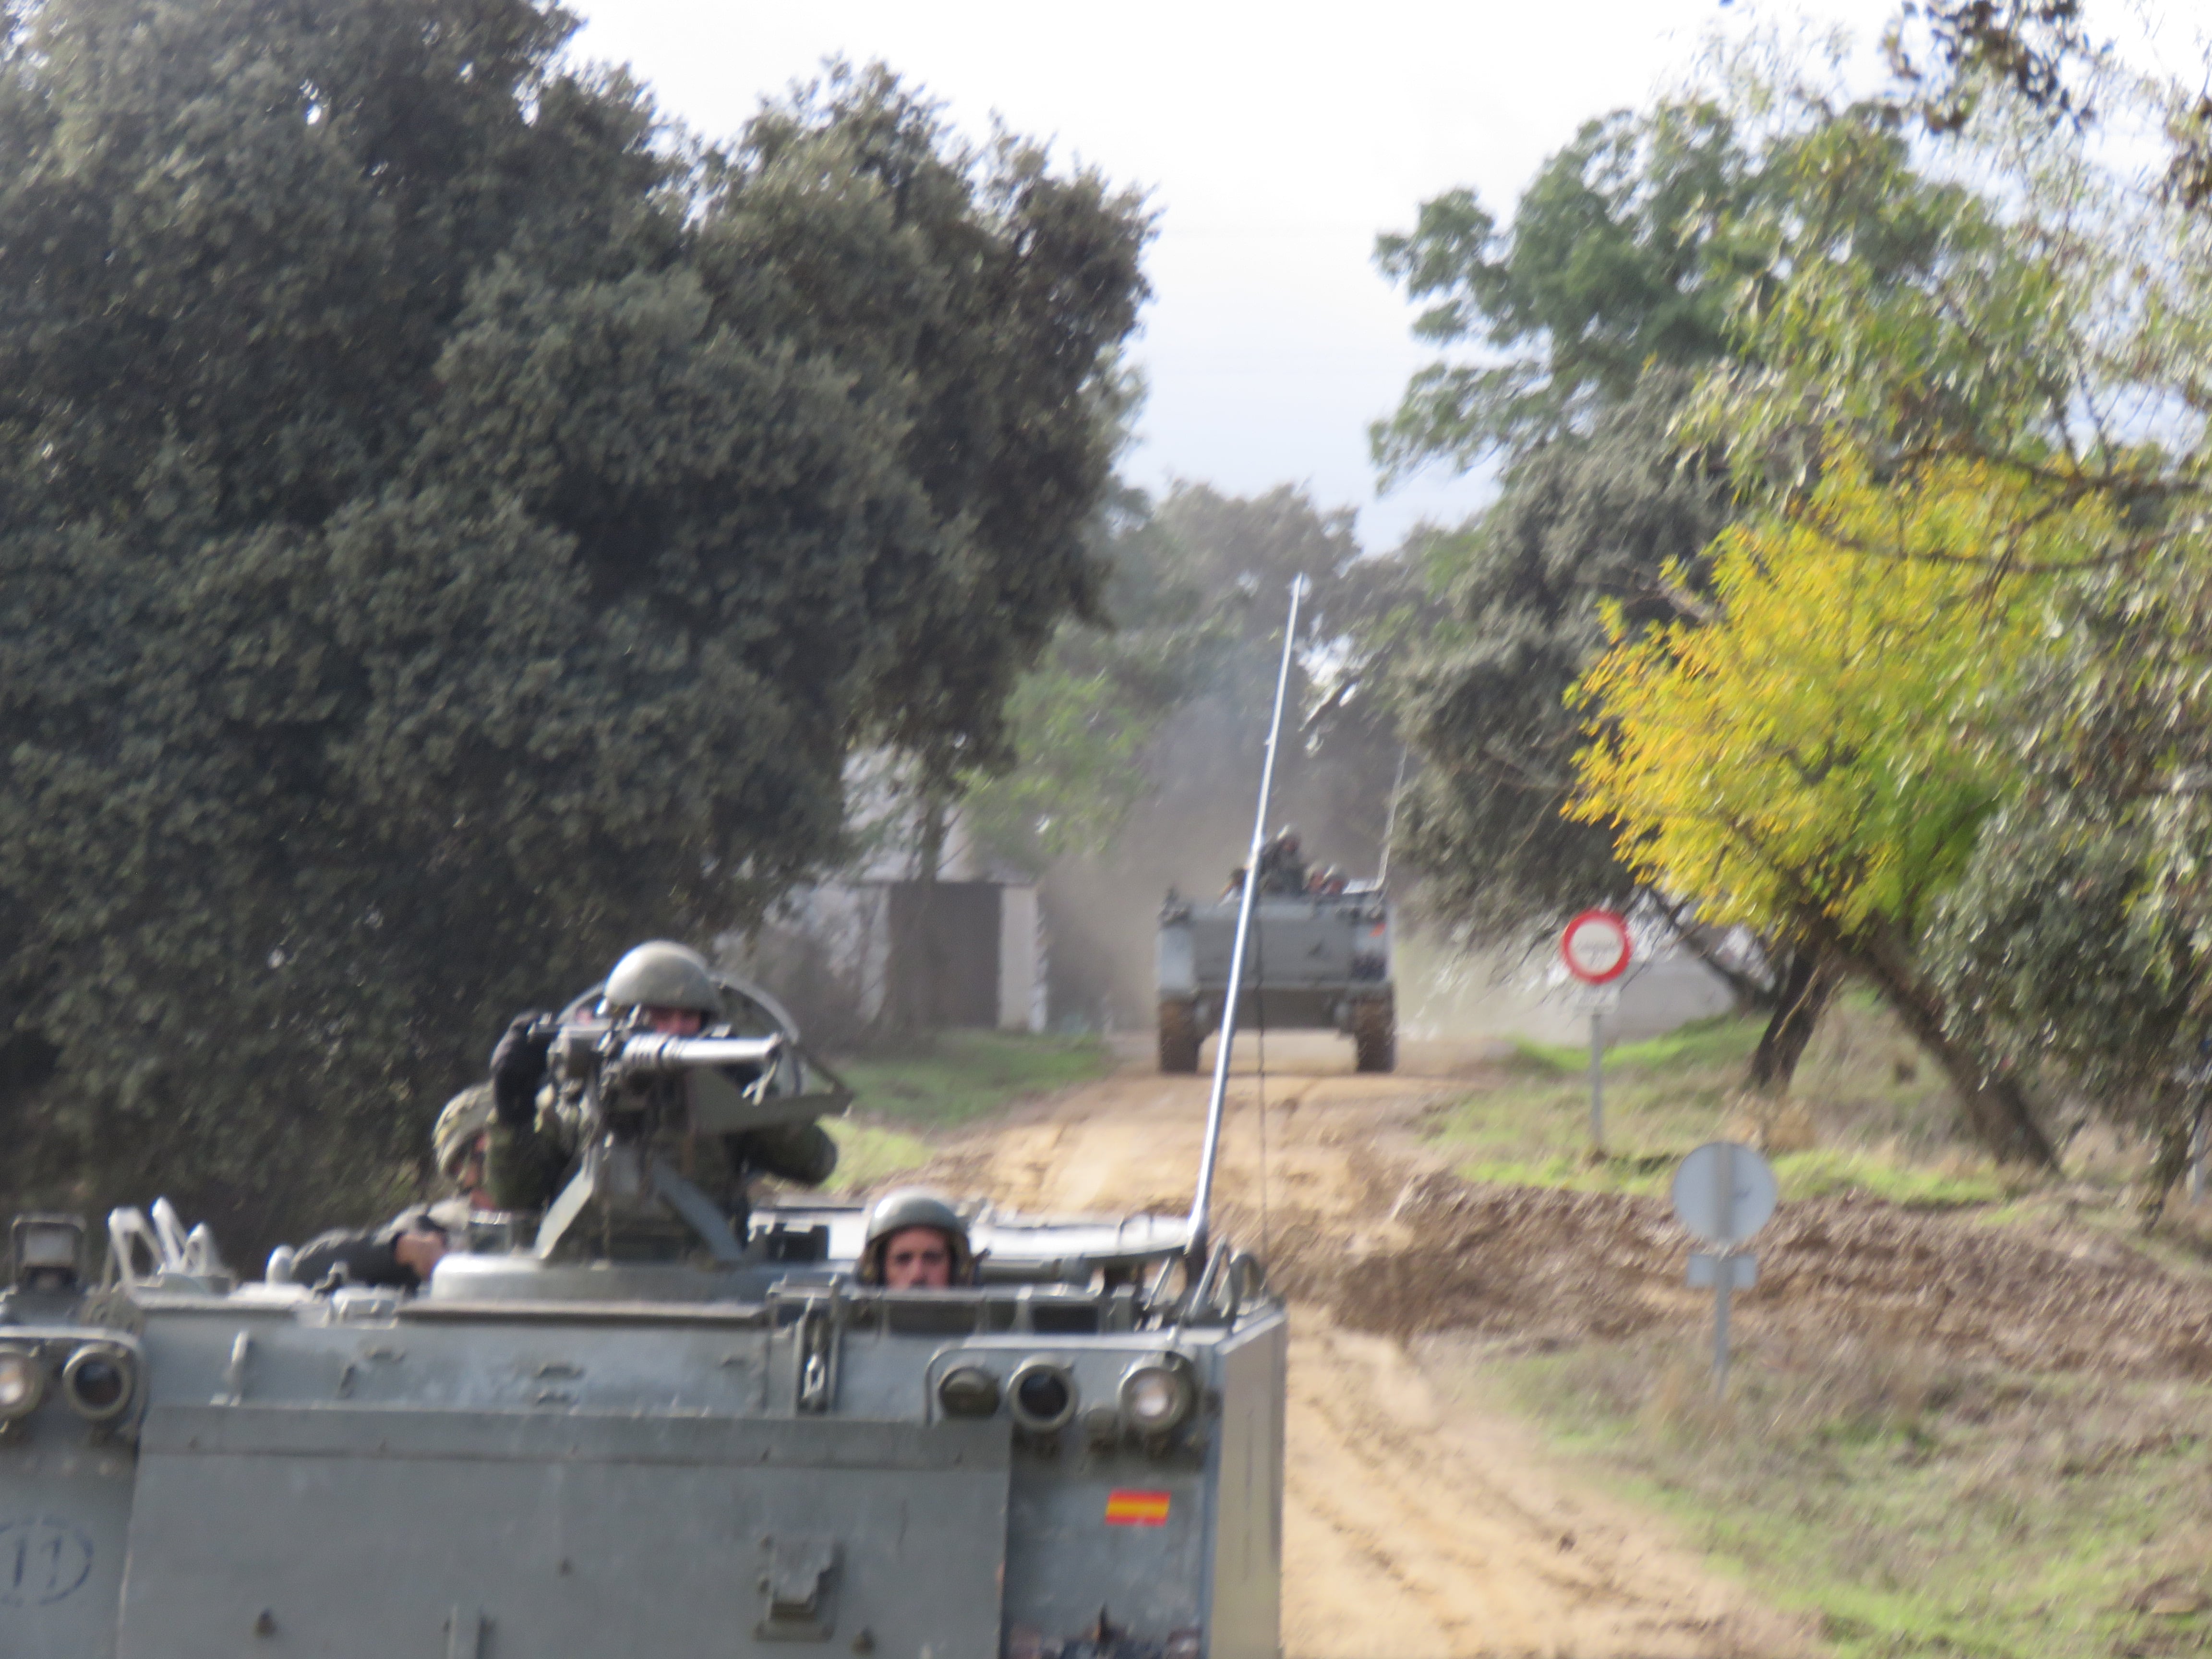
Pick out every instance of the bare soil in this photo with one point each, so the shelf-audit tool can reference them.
(1415, 1528)
(1424, 1522)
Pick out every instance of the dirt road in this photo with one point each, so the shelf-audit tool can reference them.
(1416, 1527)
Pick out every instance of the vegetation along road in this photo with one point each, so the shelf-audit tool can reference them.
(1963, 1416)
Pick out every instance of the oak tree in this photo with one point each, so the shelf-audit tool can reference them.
(453, 523)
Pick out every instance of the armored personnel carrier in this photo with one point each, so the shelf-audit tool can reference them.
(1316, 962)
(637, 1425)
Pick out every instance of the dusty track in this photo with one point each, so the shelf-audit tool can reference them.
(1414, 1528)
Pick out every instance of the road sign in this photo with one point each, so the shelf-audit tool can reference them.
(1595, 946)
(1723, 1193)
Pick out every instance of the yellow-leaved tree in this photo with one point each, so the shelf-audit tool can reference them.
(1811, 761)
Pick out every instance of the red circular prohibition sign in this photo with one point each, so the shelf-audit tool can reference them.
(1596, 946)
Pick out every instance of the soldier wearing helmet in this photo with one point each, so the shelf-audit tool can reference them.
(916, 1241)
(659, 987)
(669, 986)
(1282, 863)
(402, 1252)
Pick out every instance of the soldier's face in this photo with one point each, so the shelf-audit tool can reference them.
(472, 1172)
(675, 1022)
(917, 1259)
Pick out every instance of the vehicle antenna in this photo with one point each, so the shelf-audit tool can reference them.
(1202, 1202)
(1390, 821)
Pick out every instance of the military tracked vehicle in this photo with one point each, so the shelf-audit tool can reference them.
(643, 1424)
(1278, 948)
(630, 1427)
(1314, 962)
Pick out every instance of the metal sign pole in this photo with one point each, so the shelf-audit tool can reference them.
(1723, 1282)
(1597, 1082)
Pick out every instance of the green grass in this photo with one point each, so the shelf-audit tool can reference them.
(960, 1075)
(902, 1101)
(1724, 1039)
(1824, 1171)
(1909, 1505)
(868, 1153)
(1912, 1508)
(1864, 1115)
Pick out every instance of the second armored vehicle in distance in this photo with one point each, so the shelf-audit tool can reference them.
(1316, 962)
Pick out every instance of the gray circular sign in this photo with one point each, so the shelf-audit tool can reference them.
(1723, 1193)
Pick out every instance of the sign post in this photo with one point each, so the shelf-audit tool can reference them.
(1723, 1193)
(1595, 947)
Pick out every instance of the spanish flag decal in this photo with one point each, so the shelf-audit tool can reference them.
(1125, 1508)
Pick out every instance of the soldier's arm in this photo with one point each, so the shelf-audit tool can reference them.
(524, 1164)
(369, 1255)
(801, 1152)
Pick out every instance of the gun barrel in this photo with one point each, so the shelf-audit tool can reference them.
(666, 1055)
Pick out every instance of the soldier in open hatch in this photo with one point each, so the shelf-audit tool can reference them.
(1283, 865)
(916, 1241)
(661, 987)
(402, 1252)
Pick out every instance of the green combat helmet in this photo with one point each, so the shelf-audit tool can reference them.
(662, 974)
(916, 1206)
(467, 1115)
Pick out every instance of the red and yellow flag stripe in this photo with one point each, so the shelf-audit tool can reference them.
(1129, 1507)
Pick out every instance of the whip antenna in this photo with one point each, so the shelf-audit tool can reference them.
(1203, 1201)
(1391, 820)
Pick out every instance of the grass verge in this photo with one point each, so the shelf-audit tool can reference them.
(961, 1075)
(1864, 1115)
(868, 1153)
(903, 1100)
(1912, 1507)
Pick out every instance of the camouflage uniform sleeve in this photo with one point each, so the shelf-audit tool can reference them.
(527, 1164)
(800, 1152)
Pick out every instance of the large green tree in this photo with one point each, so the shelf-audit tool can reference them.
(1615, 258)
(453, 522)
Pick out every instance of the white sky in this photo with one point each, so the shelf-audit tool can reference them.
(1276, 139)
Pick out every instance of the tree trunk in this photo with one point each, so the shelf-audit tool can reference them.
(1805, 986)
(1703, 943)
(1995, 1105)
(2170, 1159)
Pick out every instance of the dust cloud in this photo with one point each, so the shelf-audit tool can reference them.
(1102, 909)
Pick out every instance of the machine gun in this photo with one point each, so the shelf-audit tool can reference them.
(639, 1102)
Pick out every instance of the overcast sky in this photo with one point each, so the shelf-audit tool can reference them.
(1276, 142)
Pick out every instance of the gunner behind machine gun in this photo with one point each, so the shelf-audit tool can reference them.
(619, 1075)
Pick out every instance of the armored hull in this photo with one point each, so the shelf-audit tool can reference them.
(576, 1460)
